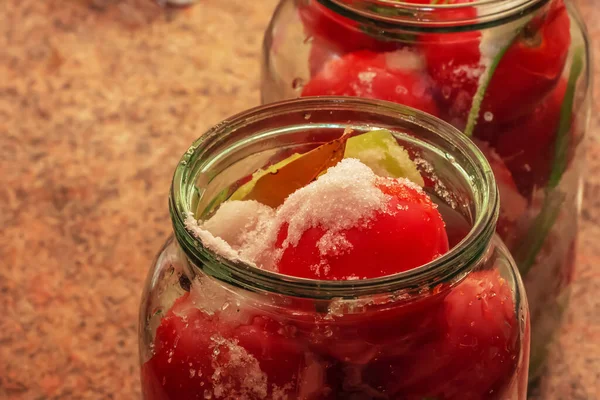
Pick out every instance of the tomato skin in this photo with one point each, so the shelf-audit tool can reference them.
(321, 52)
(184, 361)
(411, 230)
(483, 332)
(340, 33)
(472, 352)
(512, 204)
(528, 71)
(377, 76)
(454, 63)
(528, 144)
(530, 68)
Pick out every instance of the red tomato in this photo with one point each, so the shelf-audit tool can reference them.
(321, 52)
(472, 356)
(340, 33)
(411, 233)
(527, 145)
(530, 68)
(393, 76)
(527, 72)
(391, 329)
(453, 61)
(512, 204)
(195, 353)
(483, 333)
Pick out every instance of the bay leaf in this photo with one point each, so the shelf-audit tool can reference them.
(275, 186)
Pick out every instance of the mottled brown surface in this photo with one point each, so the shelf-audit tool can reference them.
(98, 99)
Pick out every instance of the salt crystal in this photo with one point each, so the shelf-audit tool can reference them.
(468, 72)
(216, 244)
(238, 374)
(438, 186)
(233, 230)
(366, 83)
(235, 217)
(332, 244)
(366, 77)
(404, 59)
(346, 189)
(321, 268)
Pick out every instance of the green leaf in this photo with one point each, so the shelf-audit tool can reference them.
(388, 11)
(561, 147)
(483, 85)
(380, 151)
(532, 243)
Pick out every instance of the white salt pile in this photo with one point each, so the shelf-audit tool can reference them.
(344, 197)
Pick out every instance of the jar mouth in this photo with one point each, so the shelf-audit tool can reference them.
(448, 268)
(439, 17)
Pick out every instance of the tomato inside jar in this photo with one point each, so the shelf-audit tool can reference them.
(512, 76)
(349, 270)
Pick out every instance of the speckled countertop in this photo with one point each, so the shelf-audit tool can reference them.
(98, 100)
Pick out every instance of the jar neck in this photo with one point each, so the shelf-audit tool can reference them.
(215, 163)
(438, 17)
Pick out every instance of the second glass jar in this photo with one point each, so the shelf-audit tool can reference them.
(512, 75)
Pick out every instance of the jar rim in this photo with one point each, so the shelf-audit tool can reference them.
(394, 14)
(454, 264)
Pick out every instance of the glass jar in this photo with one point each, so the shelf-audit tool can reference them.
(513, 75)
(455, 328)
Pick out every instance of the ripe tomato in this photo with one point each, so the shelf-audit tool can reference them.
(530, 68)
(483, 334)
(340, 33)
(527, 72)
(394, 76)
(472, 355)
(453, 62)
(527, 145)
(321, 52)
(512, 204)
(409, 234)
(196, 354)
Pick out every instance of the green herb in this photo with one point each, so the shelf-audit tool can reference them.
(561, 148)
(380, 151)
(526, 254)
(388, 11)
(482, 88)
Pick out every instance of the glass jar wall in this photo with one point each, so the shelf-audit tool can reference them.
(455, 328)
(512, 75)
